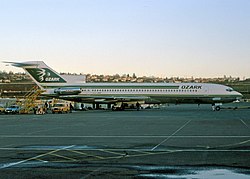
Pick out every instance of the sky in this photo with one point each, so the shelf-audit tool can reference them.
(165, 38)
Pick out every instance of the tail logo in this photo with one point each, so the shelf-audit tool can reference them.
(45, 75)
(41, 74)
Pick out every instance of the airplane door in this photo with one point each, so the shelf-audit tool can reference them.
(206, 90)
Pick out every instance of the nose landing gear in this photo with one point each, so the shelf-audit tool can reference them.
(216, 107)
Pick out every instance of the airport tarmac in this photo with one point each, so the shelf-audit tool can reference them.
(176, 139)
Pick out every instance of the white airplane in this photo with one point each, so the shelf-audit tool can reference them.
(57, 86)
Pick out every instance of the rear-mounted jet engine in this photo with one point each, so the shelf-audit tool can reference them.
(67, 91)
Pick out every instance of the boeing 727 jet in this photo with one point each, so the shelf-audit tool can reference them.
(57, 86)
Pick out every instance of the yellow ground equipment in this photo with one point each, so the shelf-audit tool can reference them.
(29, 101)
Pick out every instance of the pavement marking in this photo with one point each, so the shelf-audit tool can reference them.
(94, 171)
(125, 136)
(241, 120)
(111, 152)
(244, 123)
(40, 160)
(120, 150)
(139, 155)
(234, 144)
(64, 157)
(145, 152)
(98, 158)
(171, 135)
(88, 155)
(7, 145)
(33, 158)
(45, 130)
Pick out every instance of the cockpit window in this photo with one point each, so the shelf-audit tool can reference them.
(229, 89)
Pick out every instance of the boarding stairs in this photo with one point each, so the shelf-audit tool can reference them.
(29, 100)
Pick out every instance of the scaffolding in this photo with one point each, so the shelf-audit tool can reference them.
(29, 100)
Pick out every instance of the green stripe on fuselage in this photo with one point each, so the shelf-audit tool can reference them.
(114, 87)
(163, 95)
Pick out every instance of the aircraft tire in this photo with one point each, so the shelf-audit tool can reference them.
(217, 108)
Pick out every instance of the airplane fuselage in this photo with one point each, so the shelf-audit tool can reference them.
(149, 92)
(57, 86)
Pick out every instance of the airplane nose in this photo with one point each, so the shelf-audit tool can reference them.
(238, 96)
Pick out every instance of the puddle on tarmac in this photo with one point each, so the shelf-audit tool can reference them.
(182, 173)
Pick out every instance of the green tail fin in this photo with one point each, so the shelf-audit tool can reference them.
(40, 72)
(45, 75)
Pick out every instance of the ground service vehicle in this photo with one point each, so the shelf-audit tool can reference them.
(60, 108)
(13, 109)
(2, 109)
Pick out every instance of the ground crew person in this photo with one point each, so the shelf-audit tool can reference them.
(137, 106)
(70, 107)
